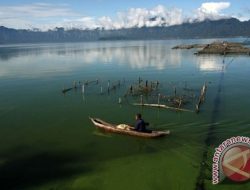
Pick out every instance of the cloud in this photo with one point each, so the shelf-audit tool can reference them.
(48, 16)
(214, 7)
(134, 17)
(211, 10)
(37, 10)
(241, 17)
(33, 15)
(244, 15)
(157, 16)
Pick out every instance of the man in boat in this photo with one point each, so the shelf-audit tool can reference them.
(140, 125)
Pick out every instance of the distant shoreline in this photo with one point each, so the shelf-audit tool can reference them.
(208, 29)
(128, 40)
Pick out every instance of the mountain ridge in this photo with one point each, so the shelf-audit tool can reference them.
(230, 27)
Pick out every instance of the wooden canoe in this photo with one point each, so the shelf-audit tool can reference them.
(112, 128)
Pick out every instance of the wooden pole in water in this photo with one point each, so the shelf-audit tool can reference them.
(120, 100)
(131, 89)
(180, 102)
(159, 96)
(101, 90)
(197, 108)
(108, 85)
(83, 89)
(163, 106)
(201, 97)
(141, 99)
(139, 81)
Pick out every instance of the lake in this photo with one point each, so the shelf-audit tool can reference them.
(48, 142)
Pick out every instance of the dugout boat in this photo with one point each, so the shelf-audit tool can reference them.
(126, 129)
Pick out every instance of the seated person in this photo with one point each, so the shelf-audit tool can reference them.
(140, 125)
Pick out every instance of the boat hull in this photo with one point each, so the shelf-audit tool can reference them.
(112, 128)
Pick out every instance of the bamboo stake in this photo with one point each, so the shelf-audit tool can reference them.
(83, 89)
(92, 81)
(66, 90)
(162, 106)
(201, 97)
(101, 90)
(180, 103)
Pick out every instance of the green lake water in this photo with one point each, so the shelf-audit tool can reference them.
(48, 142)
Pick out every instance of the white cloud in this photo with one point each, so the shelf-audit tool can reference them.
(36, 15)
(211, 10)
(48, 16)
(107, 22)
(158, 16)
(214, 7)
(134, 17)
(38, 10)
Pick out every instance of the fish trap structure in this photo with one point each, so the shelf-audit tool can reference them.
(146, 93)
(153, 96)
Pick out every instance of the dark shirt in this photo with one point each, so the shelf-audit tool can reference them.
(140, 125)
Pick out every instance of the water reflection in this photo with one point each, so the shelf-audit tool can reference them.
(210, 63)
(137, 57)
(44, 58)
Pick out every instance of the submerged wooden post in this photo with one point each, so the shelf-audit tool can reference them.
(108, 85)
(203, 92)
(197, 108)
(159, 96)
(139, 81)
(201, 97)
(163, 106)
(83, 89)
(120, 100)
(180, 102)
(131, 89)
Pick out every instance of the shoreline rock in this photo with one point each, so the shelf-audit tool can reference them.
(221, 48)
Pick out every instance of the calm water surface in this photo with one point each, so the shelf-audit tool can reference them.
(48, 142)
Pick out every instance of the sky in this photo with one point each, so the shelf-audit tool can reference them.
(115, 14)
